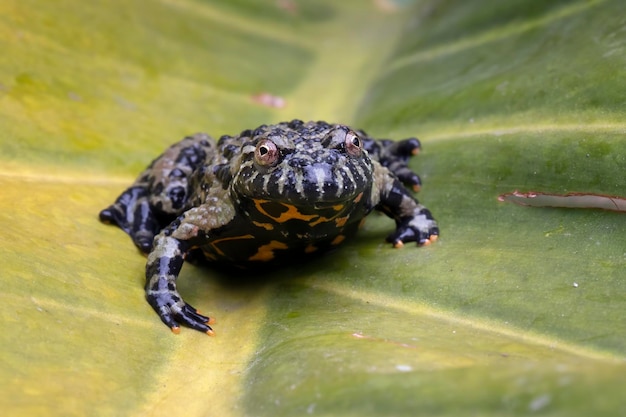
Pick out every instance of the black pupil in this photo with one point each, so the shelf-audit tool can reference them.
(263, 150)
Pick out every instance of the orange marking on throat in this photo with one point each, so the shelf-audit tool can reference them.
(291, 213)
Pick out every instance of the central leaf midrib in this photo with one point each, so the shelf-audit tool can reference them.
(347, 63)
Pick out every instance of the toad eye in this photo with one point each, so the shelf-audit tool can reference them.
(266, 153)
(353, 144)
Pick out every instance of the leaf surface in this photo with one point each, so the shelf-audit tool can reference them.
(512, 311)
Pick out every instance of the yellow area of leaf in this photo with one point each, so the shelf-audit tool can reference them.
(78, 332)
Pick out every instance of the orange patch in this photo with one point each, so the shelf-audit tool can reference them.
(310, 248)
(266, 252)
(341, 221)
(266, 226)
(338, 240)
(358, 198)
(291, 213)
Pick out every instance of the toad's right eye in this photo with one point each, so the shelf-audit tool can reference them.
(353, 144)
(266, 153)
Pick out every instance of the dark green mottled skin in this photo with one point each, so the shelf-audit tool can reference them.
(265, 195)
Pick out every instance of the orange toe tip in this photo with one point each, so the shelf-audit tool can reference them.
(176, 330)
(426, 243)
(415, 151)
(399, 244)
(434, 238)
(210, 332)
(416, 188)
(211, 321)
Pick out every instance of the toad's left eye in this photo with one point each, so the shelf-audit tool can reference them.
(353, 144)
(266, 153)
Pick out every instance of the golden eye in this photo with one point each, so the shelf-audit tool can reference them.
(353, 144)
(266, 153)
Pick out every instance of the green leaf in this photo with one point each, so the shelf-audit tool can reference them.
(513, 311)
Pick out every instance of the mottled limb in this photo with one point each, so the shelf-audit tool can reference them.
(131, 212)
(419, 227)
(394, 155)
(414, 222)
(160, 193)
(164, 264)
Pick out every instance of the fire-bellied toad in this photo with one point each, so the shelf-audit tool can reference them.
(267, 194)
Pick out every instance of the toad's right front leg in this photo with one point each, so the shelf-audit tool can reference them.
(164, 264)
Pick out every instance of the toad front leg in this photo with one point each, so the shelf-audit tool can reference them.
(414, 222)
(190, 230)
(164, 264)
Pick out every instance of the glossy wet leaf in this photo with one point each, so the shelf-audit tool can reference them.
(512, 311)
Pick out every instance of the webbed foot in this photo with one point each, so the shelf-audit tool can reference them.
(162, 269)
(395, 155)
(399, 153)
(420, 228)
(132, 213)
(174, 311)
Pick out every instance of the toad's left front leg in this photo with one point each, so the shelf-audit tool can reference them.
(164, 264)
(414, 222)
